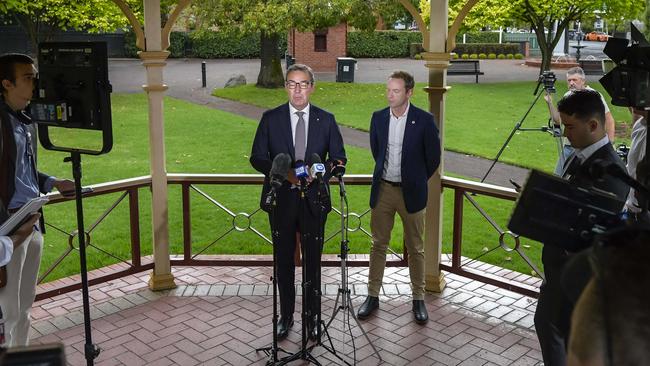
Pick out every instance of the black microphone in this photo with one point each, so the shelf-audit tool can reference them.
(338, 168)
(316, 171)
(279, 170)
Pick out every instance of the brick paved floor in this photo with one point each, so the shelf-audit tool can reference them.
(219, 315)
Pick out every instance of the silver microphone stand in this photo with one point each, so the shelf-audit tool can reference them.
(346, 307)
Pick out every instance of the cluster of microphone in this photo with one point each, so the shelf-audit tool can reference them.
(313, 168)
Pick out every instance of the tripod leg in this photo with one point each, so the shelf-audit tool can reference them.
(352, 313)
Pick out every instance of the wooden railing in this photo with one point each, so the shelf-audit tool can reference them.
(130, 189)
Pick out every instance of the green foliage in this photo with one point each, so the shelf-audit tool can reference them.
(473, 56)
(464, 56)
(177, 43)
(482, 56)
(495, 48)
(454, 56)
(418, 56)
(232, 44)
(382, 44)
(519, 56)
(492, 56)
(510, 56)
(501, 56)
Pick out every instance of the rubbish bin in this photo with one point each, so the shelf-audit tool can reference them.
(345, 69)
(289, 60)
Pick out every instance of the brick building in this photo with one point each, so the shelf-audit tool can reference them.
(319, 49)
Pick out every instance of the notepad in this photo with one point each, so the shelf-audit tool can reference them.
(15, 220)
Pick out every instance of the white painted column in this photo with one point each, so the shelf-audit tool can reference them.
(437, 61)
(153, 60)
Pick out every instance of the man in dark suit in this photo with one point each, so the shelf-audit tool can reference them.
(299, 129)
(406, 148)
(583, 116)
(20, 181)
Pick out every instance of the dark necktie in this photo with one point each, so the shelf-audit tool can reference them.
(572, 168)
(301, 140)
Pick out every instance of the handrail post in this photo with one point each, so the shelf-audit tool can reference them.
(457, 239)
(187, 222)
(134, 218)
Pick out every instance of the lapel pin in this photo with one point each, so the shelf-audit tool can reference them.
(412, 122)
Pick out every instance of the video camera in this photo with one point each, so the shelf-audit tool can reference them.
(548, 79)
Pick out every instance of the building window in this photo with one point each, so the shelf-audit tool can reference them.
(320, 40)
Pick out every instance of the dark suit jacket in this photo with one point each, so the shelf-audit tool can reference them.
(274, 136)
(420, 155)
(8, 157)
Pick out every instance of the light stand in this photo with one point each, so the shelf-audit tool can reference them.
(91, 351)
(547, 79)
(74, 92)
(343, 293)
(272, 351)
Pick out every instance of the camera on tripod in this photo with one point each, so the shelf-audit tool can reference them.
(547, 78)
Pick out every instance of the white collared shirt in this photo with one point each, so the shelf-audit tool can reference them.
(636, 154)
(393, 161)
(6, 249)
(294, 121)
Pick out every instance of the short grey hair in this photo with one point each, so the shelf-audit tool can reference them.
(300, 67)
(577, 70)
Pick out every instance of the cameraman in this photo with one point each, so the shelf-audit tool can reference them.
(575, 78)
(583, 116)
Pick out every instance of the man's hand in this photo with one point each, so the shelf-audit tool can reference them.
(25, 230)
(548, 97)
(65, 186)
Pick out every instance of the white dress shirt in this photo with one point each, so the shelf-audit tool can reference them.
(6, 250)
(294, 121)
(636, 154)
(393, 161)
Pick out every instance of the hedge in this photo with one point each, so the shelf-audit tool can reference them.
(486, 48)
(478, 37)
(208, 44)
(381, 44)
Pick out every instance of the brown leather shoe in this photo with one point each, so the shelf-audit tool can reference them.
(368, 307)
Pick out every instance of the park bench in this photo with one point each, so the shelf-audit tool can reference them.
(592, 67)
(464, 67)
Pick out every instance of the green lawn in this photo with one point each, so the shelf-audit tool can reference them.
(479, 117)
(202, 140)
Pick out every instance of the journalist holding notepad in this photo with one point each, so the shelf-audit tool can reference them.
(20, 181)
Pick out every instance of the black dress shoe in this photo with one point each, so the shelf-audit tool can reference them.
(312, 328)
(368, 307)
(420, 312)
(284, 325)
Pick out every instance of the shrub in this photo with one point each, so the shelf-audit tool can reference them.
(492, 56)
(382, 44)
(519, 56)
(473, 56)
(415, 49)
(482, 56)
(418, 56)
(510, 56)
(501, 56)
(464, 56)
(454, 56)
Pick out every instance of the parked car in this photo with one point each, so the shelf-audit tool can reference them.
(596, 36)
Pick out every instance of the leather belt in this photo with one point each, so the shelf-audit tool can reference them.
(394, 184)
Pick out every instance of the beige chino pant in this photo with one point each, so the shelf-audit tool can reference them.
(382, 219)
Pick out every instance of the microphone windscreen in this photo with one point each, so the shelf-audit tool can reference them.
(280, 166)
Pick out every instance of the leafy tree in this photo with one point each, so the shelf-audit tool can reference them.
(271, 18)
(41, 18)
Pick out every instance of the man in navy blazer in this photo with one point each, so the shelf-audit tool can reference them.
(300, 130)
(406, 148)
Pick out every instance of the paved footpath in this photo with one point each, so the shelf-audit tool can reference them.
(184, 79)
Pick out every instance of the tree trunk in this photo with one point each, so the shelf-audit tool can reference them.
(270, 75)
